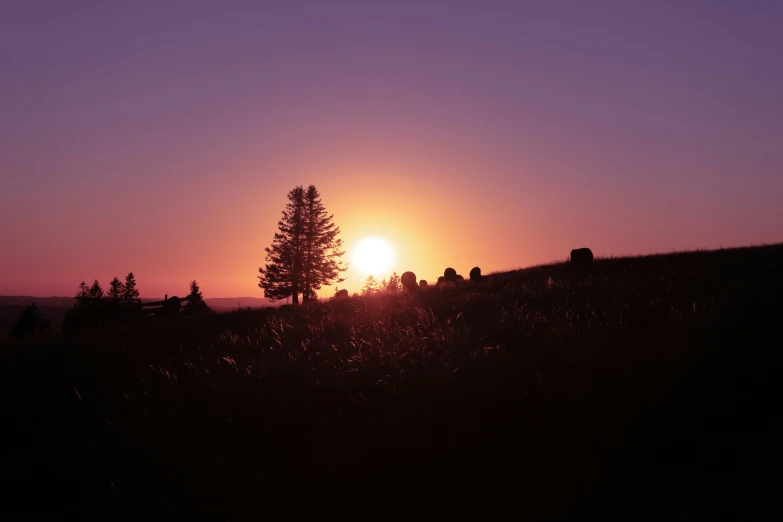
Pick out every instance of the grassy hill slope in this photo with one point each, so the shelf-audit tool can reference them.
(642, 388)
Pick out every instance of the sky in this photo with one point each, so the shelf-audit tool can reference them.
(162, 137)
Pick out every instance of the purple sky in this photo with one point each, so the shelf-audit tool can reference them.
(161, 137)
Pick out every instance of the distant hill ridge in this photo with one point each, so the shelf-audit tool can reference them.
(67, 302)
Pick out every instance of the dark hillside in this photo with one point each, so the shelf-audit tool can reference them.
(55, 308)
(639, 389)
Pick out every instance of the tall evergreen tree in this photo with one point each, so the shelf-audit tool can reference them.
(322, 248)
(305, 252)
(282, 275)
(116, 290)
(130, 294)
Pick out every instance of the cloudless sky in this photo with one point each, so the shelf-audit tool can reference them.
(162, 137)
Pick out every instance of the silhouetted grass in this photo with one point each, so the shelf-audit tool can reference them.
(642, 388)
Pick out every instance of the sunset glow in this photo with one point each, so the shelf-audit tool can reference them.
(373, 256)
(163, 140)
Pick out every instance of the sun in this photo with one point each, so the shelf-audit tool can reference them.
(373, 256)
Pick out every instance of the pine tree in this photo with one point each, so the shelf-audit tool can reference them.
(29, 322)
(95, 292)
(323, 249)
(116, 290)
(196, 302)
(394, 284)
(82, 296)
(305, 253)
(282, 276)
(130, 294)
(89, 310)
(370, 286)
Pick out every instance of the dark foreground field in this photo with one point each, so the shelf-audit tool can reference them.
(644, 389)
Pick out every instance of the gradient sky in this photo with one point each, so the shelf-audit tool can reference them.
(162, 137)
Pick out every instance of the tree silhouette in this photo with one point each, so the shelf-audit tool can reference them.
(305, 252)
(323, 249)
(130, 294)
(394, 284)
(82, 296)
(94, 308)
(196, 304)
(95, 292)
(29, 322)
(370, 286)
(281, 278)
(116, 291)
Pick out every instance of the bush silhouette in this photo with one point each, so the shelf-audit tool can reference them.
(581, 257)
(409, 281)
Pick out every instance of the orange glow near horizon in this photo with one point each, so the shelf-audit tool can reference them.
(164, 141)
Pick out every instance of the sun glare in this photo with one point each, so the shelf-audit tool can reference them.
(373, 256)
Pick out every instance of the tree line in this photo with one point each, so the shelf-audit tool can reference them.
(305, 252)
(305, 255)
(94, 307)
(372, 285)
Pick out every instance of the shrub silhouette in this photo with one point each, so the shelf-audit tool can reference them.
(475, 274)
(450, 275)
(581, 257)
(408, 280)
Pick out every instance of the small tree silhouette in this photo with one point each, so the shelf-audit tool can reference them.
(394, 284)
(95, 292)
(30, 321)
(130, 294)
(82, 298)
(196, 304)
(94, 308)
(116, 290)
(370, 286)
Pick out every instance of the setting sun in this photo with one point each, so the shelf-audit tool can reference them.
(373, 256)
